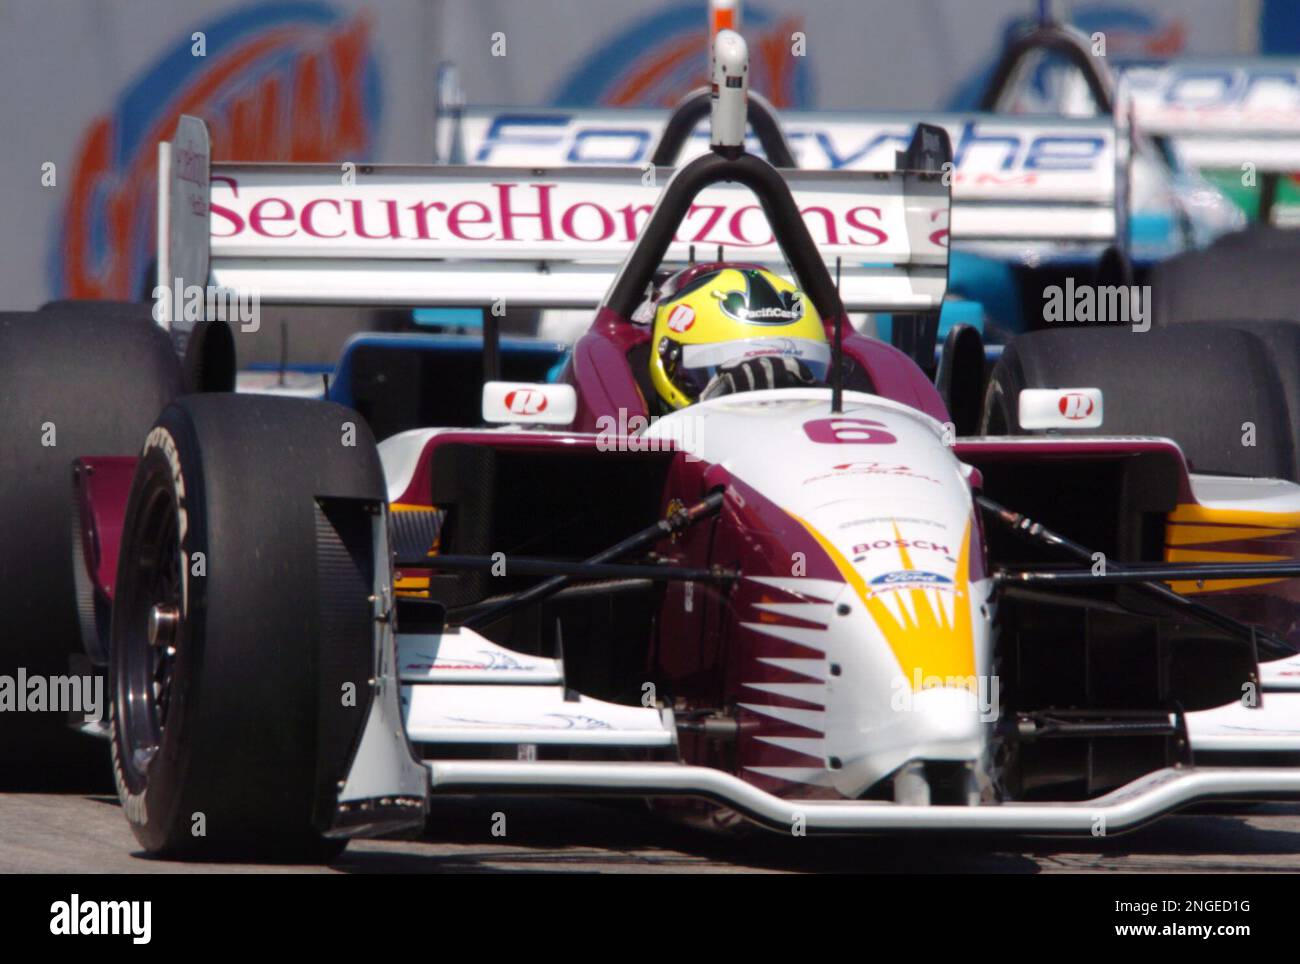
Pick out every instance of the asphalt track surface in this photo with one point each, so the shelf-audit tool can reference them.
(86, 833)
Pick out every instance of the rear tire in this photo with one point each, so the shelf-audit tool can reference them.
(74, 381)
(1244, 276)
(1196, 384)
(230, 731)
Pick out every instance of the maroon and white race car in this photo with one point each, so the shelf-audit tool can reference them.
(823, 609)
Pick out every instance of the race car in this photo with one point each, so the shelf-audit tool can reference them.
(1227, 126)
(806, 604)
(1068, 170)
(1032, 196)
(1210, 141)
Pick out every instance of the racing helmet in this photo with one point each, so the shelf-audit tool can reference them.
(712, 315)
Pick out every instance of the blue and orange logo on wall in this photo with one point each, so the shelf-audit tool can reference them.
(658, 60)
(279, 82)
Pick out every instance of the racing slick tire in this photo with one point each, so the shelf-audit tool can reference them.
(75, 380)
(243, 611)
(1222, 392)
(1244, 276)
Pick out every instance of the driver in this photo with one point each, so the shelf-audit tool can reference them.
(722, 328)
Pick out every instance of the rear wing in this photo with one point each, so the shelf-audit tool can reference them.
(1017, 183)
(527, 236)
(1221, 113)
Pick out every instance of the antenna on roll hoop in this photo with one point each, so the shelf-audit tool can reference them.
(723, 15)
(837, 354)
(728, 91)
(728, 95)
(448, 109)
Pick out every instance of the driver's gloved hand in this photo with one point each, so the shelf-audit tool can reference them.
(753, 374)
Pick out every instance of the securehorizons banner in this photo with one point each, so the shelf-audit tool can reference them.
(571, 214)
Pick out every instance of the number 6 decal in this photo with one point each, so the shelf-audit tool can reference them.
(848, 431)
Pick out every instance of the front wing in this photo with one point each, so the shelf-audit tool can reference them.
(460, 689)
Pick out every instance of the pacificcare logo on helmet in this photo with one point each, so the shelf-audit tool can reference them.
(760, 303)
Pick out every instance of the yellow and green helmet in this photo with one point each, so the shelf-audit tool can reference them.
(715, 315)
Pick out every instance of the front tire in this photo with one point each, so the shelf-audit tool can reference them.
(242, 614)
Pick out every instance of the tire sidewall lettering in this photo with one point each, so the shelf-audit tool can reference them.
(162, 441)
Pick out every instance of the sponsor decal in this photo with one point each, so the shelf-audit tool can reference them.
(923, 544)
(986, 155)
(526, 401)
(816, 355)
(294, 81)
(682, 318)
(911, 579)
(488, 660)
(1075, 406)
(1000, 150)
(931, 630)
(525, 213)
(553, 721)
(869, 468)
(760, 303)
(1183, 91)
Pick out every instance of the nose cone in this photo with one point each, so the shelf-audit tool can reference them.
(883, 716)
(946, 723)
(941, 724)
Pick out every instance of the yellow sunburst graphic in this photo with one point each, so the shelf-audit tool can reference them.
(928, 644)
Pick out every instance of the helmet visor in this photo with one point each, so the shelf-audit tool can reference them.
(690, 367)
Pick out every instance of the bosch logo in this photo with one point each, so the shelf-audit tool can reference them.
(922, 544)
(1076, 406)
(526, 401)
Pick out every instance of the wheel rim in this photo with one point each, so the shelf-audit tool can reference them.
(155, 631)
